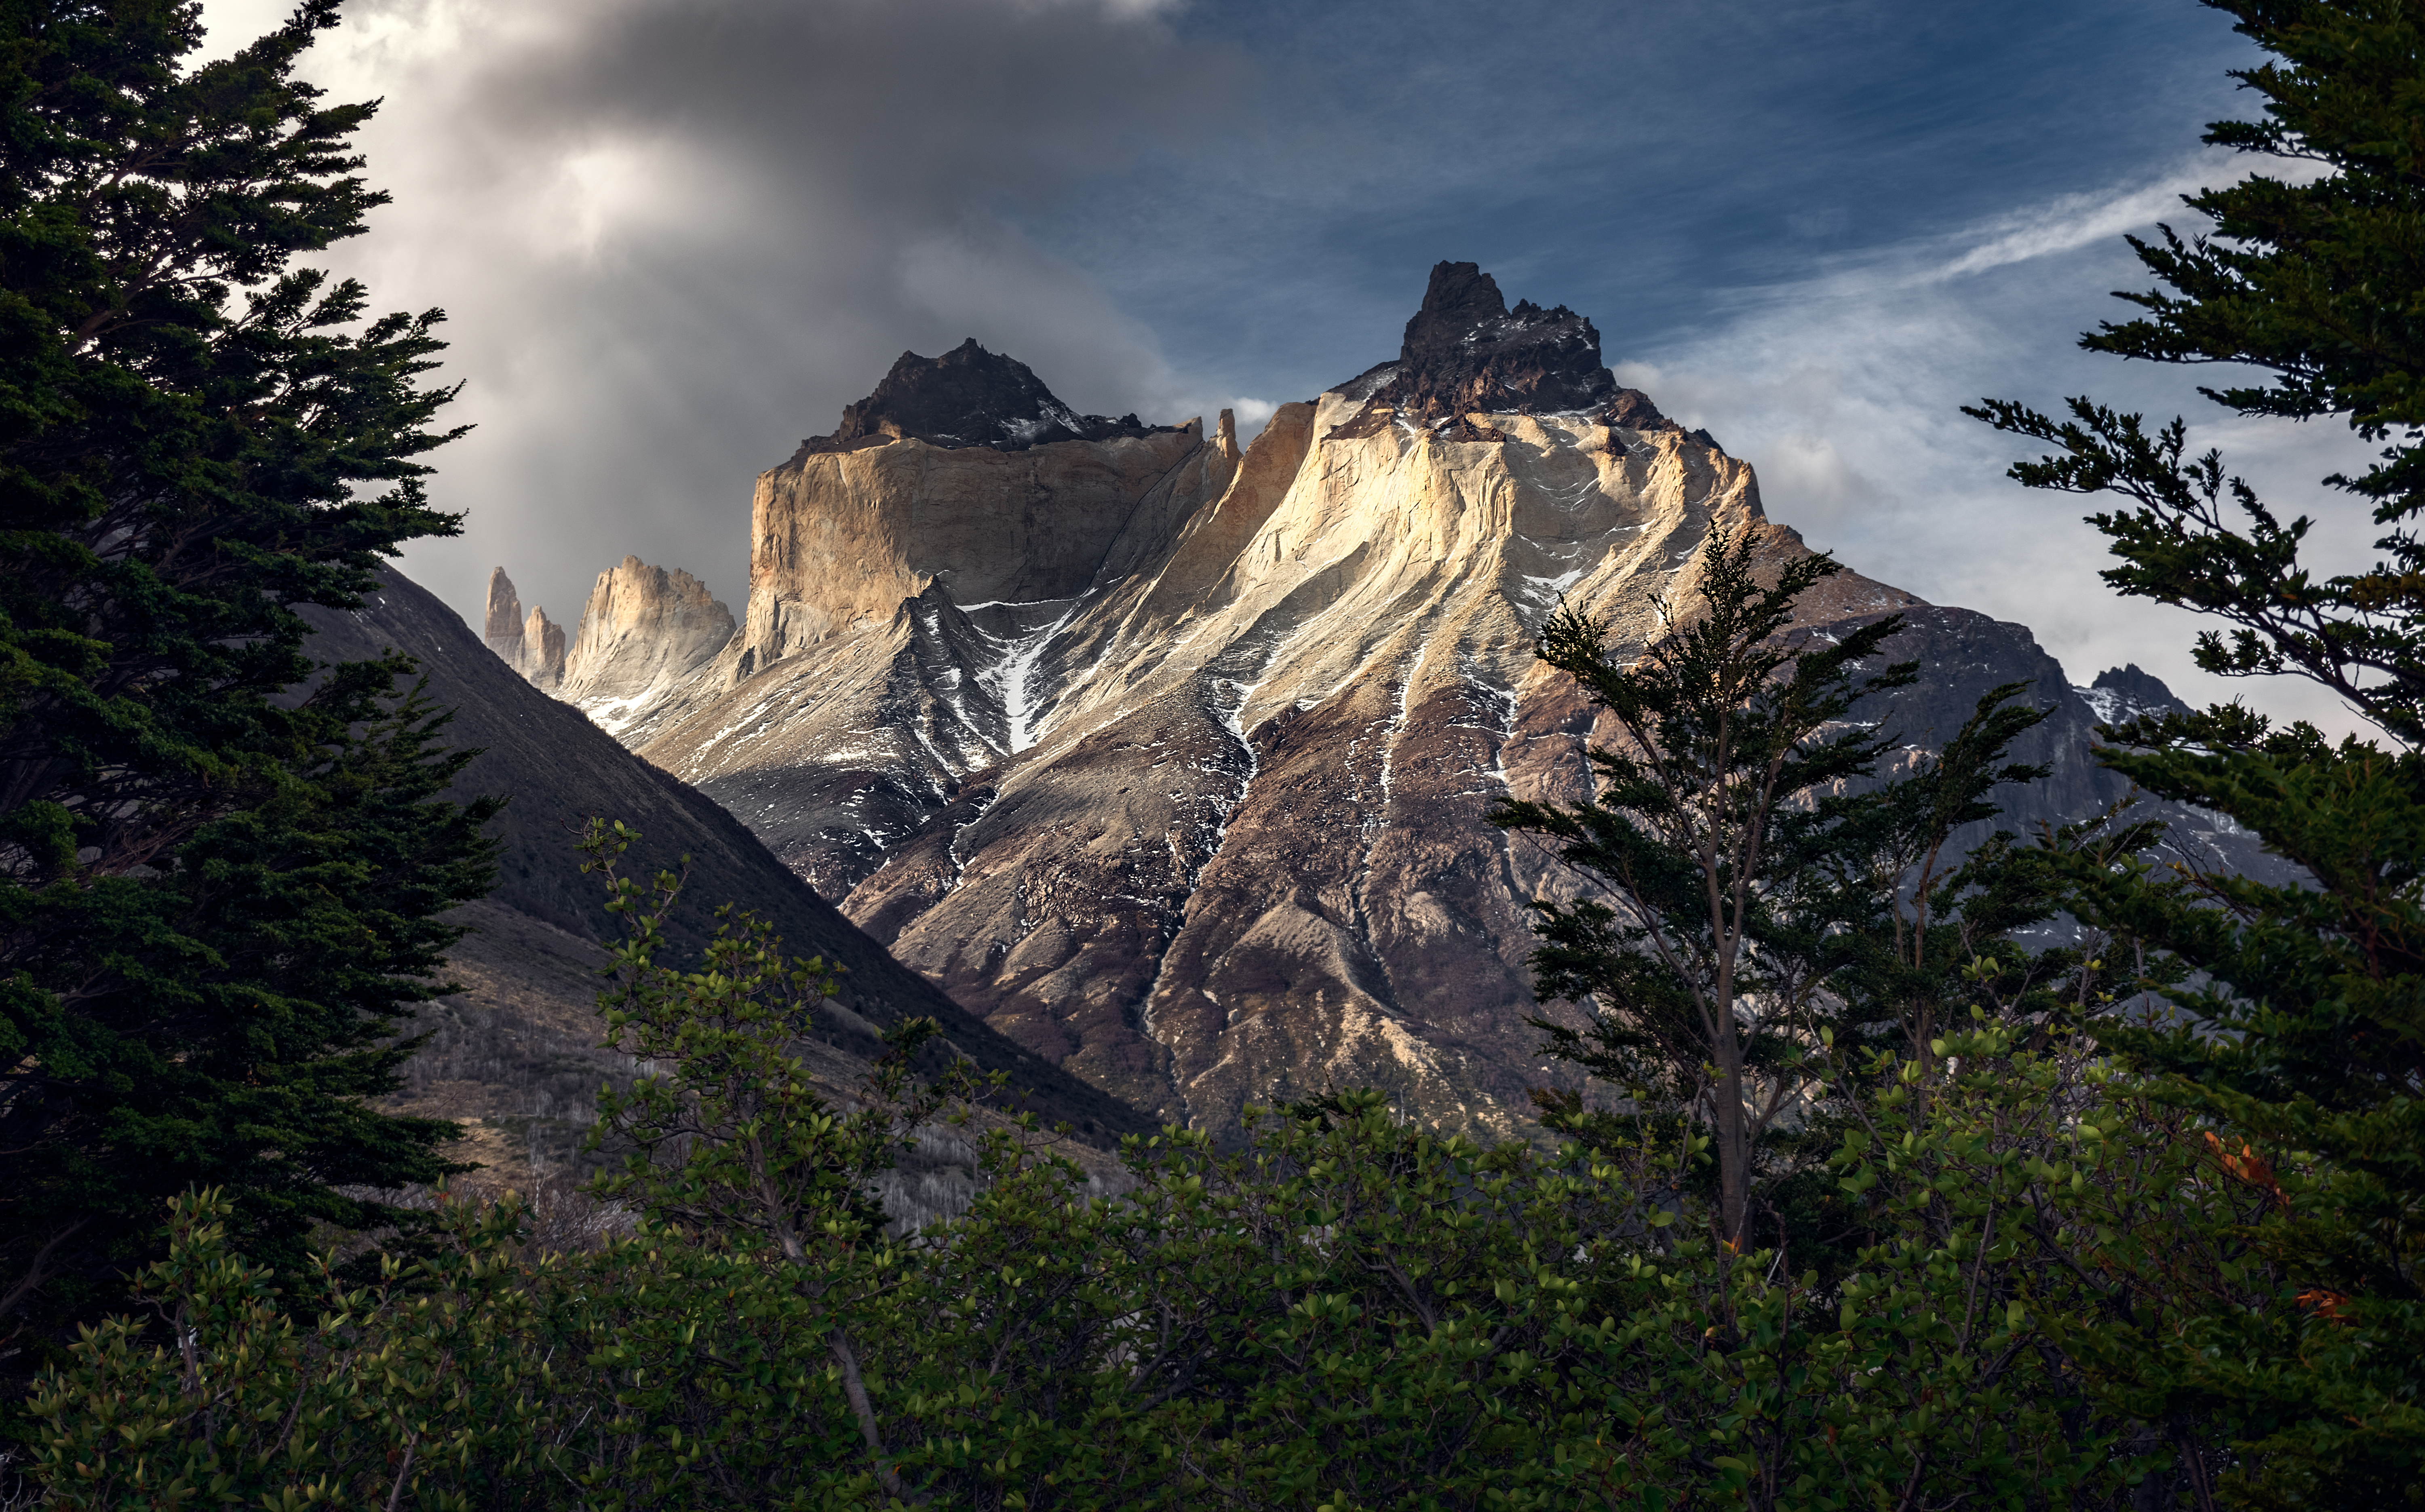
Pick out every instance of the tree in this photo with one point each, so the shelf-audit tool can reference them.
(1345, 1310)
(2315, 285)
(730, 1138)
(423, 1376)
(1728, 729)
(2300, 1050)
(2298, 1045)
(216, 896)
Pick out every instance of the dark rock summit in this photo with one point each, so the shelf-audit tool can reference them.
(1632, 410)
(968, 396)
(2122, 694)
(1467, 353)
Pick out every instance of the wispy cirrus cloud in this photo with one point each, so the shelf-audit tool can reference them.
(2076, 220)
(2073, 221)
(1843, 389)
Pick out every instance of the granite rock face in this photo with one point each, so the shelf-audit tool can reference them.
(1172, 760)
(542, 650)
(533, 645)
(644, 631)
(503, 629)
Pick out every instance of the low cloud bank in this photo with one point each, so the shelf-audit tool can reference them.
(674, 236)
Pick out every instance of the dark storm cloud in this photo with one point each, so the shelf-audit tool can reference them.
(674, 237)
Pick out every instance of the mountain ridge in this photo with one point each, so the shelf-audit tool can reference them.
(1172, 760)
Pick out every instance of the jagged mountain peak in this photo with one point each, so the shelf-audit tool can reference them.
(644, 630)
(969, 397)
(503, 625)
(1464, 315)
(2124, 693)
(1459, 300)
(532, 645)
(1467, 353)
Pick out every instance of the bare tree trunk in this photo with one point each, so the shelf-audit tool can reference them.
(854, 1387)
(1726, 1041)
(1734, 1140)
(37, 1269)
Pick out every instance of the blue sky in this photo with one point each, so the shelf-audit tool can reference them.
(1654, 165)
(677, 236)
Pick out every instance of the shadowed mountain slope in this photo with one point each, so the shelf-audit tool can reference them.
(558, 769)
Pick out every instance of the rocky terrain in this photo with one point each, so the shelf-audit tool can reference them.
(643, 633)
(968, 396)
(1170, 760)
(533, 647)
(515, 1054)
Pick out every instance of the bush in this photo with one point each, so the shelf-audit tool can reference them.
(1348, 1312)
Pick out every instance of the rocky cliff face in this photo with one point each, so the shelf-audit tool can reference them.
(532, 646)
(1172, 760)
(644, 631)
(543, 651)
(503, 630)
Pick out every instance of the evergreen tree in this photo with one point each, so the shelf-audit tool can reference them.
(214, 900)
(2315, 282)
(2301, 1047)
(1746, 898)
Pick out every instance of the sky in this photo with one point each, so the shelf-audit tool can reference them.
(673, 237)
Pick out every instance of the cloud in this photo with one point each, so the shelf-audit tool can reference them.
(674, 236)
(2072, 221)
(2076, 220)
(677, 236)
(1843, 389)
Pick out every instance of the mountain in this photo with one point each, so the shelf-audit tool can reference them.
(1170, 760)
(968, 396)
(517, 1051)
(2124, 693)
(644, 631)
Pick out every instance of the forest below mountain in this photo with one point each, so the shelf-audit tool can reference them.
(1897, 1154)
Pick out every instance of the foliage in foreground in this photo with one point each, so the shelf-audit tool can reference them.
(2300, 1046)
(218, 889)
(1347, 1311)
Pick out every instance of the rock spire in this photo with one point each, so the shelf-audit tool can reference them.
(542, 650)
(503, 629)
(1466, 354)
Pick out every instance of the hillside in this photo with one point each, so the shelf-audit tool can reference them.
(516, 1052)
